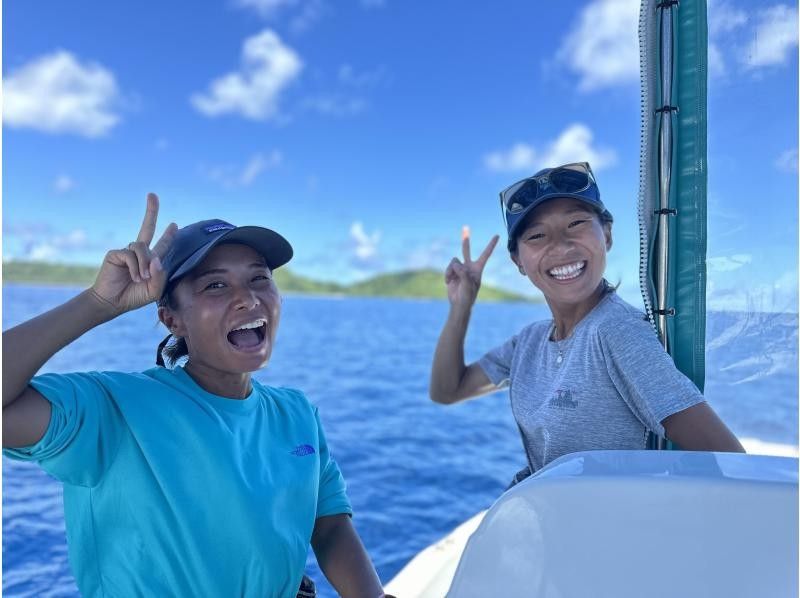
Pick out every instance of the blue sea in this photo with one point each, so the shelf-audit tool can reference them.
(415, 470)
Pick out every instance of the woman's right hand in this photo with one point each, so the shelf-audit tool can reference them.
(132, 277)
(463, 279)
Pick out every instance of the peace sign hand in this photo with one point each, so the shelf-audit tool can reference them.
(463, 279)
(132, 277)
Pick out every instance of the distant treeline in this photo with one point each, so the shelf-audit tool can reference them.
(409, 284)
(46, 273)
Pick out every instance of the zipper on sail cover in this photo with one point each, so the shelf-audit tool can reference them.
(655, 211)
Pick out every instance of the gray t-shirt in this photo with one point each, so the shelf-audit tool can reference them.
(602, 388)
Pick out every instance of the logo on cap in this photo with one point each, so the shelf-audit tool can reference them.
(215, 227)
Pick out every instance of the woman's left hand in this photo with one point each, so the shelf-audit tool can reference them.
(132, 277)
(463, 279)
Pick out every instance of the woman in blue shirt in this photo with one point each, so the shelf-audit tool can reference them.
(196, 479)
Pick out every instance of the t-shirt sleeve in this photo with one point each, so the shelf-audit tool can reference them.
(332, 498)
(83, 434)
(644, 374)
(496, 364)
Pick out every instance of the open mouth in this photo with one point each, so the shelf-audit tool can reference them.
(249, 336)
(567, 272)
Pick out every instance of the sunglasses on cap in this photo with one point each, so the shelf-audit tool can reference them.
(569, 179)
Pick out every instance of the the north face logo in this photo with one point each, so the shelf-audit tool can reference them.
(301, 450)
(563, 400)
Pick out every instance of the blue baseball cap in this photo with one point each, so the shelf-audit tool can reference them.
(193, 243)
(574, 181)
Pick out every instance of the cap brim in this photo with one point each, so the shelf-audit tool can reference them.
(276, 250)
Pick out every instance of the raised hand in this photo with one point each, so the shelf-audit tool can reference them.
(132, 277)
(463, 279)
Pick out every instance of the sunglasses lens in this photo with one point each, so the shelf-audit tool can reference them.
(518, 197)
(567, 180)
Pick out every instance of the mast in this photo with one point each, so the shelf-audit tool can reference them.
(673, 41)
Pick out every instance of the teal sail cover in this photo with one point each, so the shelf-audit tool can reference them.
(673, 173)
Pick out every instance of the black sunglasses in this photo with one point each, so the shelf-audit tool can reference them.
(570, 178)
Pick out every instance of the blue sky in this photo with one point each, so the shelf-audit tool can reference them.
(369, 131)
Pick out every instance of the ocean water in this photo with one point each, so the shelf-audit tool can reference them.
(415, 470)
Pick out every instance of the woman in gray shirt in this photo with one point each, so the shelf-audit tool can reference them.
(593, 377)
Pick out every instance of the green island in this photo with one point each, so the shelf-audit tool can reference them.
(417, 284)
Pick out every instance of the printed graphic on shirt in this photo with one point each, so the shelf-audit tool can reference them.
(563, 400)
(301, 450)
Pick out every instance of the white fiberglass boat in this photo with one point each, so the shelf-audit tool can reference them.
(623, 524)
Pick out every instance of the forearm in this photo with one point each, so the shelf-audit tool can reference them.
(27, 347)
(448, 360)
(699, 428)
(343, 559)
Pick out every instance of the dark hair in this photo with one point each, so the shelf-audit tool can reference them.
(176, 349)
(611, 287)
(604, 216)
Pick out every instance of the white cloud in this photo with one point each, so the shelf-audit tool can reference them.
(728, 263)
(307, 14)
(365, 245)
(604, 46)
(573, 145)
(754, 40)
(268, 67)
(787, 161)
(57, 94)
(336, 104)
(265, 8)
(348, 99)
(774, 37)
(42, 253)
(724, 18)
(242, 176)
(258, 164)
(312, 11)
(63, 183)
(518, 157)
(56, 246)
(716, 62)
(75, 239)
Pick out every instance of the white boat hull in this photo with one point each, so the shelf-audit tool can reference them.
(626, 523)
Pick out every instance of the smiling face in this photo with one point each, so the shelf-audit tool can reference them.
(227, 309)
(562, 248)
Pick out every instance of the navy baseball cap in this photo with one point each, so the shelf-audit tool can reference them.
(193, 243)
(570, 180)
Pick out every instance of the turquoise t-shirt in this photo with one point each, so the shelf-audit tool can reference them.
(172, 491)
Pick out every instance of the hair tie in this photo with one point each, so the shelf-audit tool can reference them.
(162, 344)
